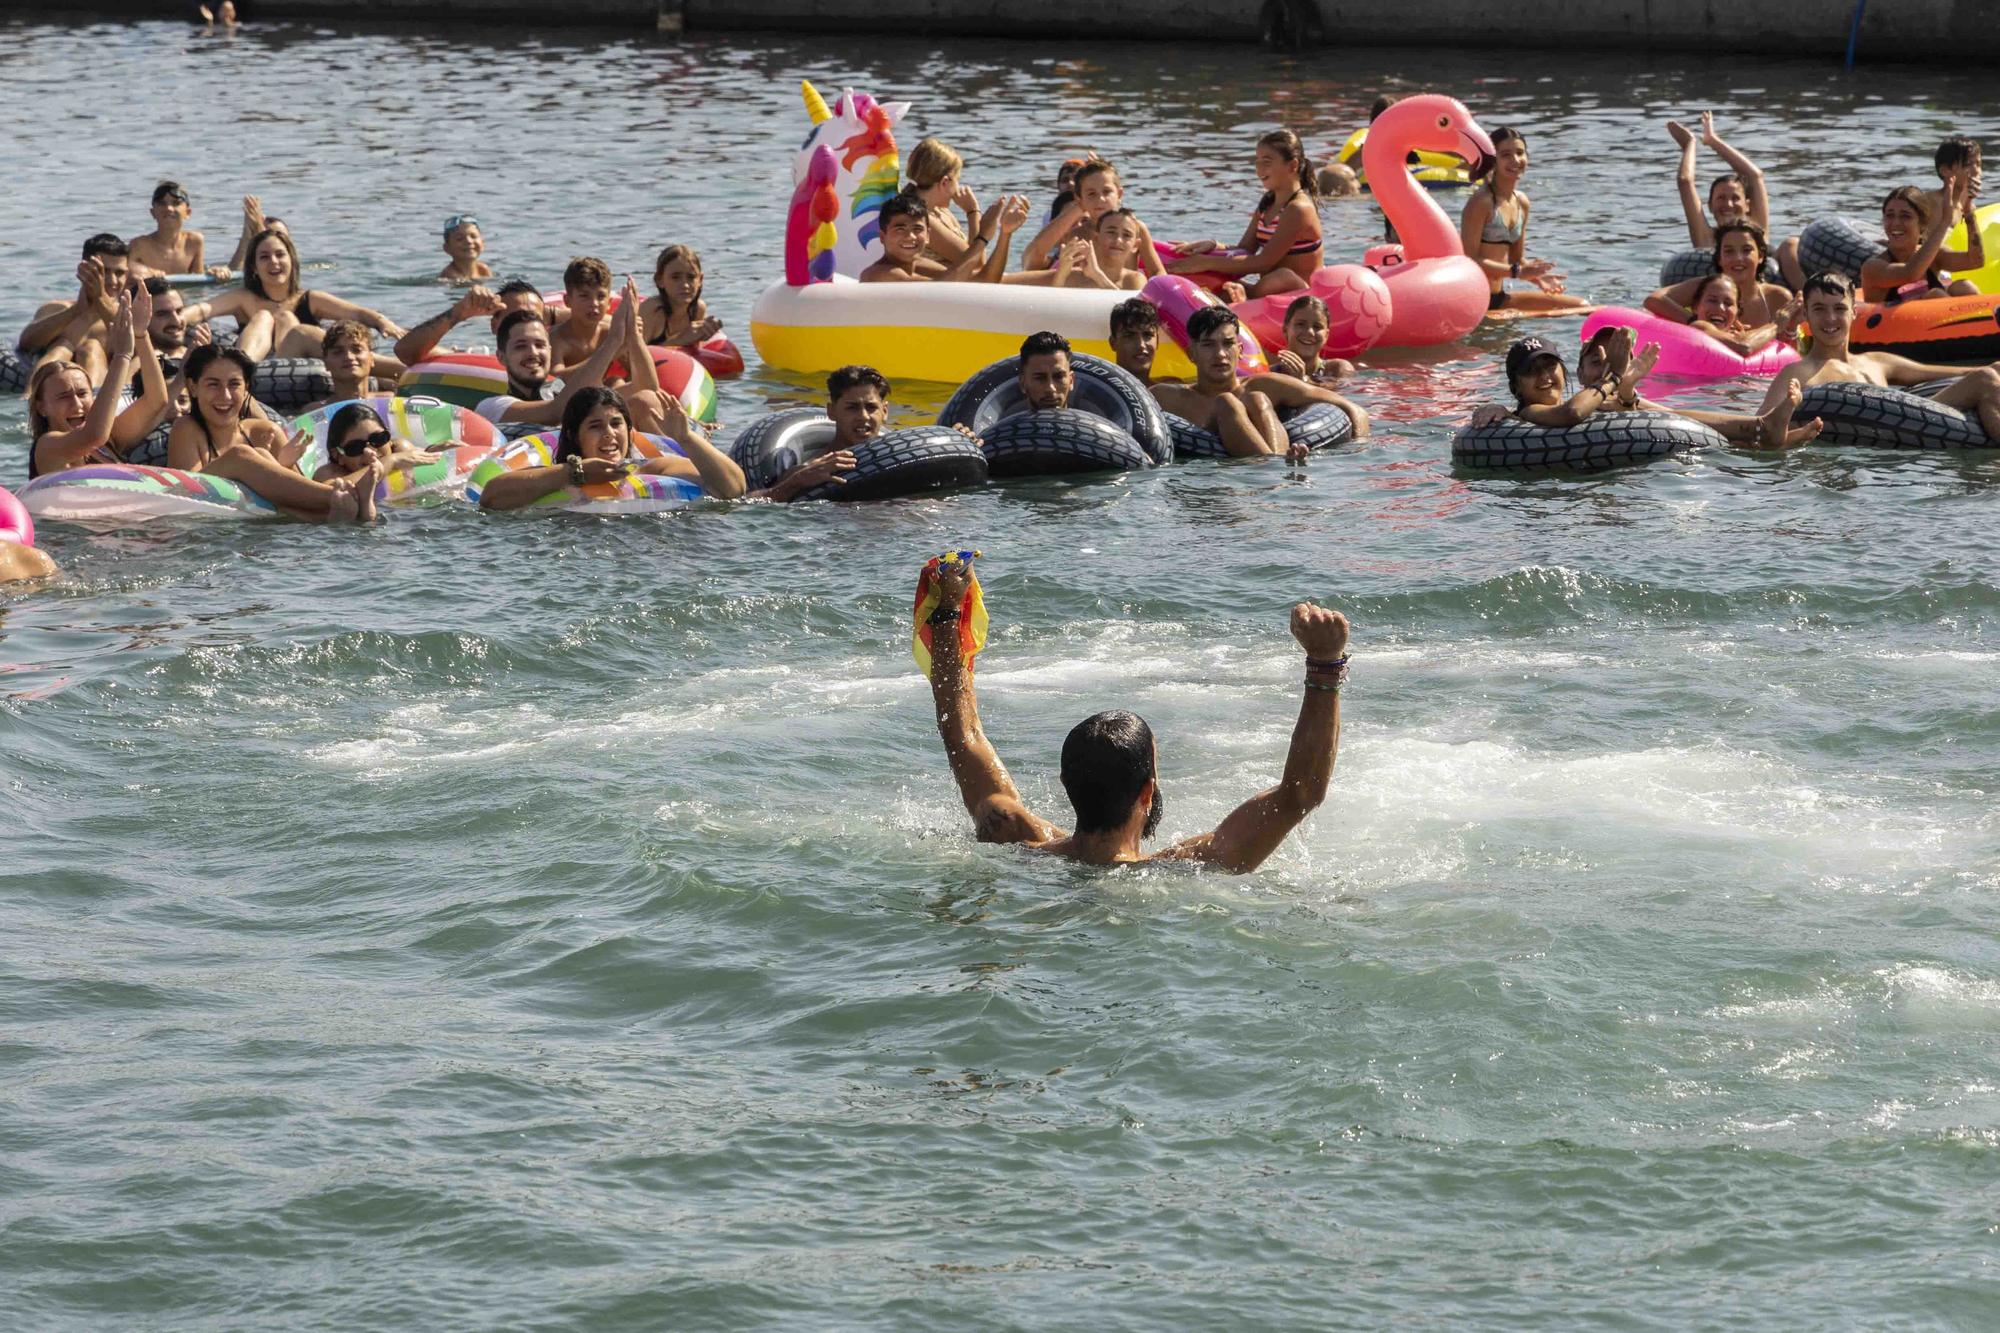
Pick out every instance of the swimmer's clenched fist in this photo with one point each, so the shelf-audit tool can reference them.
(1322, 633)
(1110, 763)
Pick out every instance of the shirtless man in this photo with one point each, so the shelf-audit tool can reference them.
(905, 224)
(1110, 765)
(533, 397)
(350, 361)
(1243, 414)
(102, 277)
(1044, 372)
(857, 402)
(1829, 310)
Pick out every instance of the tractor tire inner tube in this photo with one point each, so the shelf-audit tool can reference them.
(1060, 441)
(893, 464)
(1101, 388)
(1607, 439)
(1872, 416)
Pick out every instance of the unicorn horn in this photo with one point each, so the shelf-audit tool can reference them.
(815, 104)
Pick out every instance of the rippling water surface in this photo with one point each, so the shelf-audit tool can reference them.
(569, 923)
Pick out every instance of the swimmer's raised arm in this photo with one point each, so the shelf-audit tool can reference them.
(1700, 235)
(1254, 829)
(998, 813)
(1752, 176)
(422, 340)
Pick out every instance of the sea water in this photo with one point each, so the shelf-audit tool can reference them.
(570, 923)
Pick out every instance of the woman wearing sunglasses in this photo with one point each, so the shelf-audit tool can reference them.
(357, 438)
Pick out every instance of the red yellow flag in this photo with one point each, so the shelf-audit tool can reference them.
(971, 624)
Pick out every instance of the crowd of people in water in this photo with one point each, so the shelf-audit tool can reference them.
(578, 366)
(129, 354)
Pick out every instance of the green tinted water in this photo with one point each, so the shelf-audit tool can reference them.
(569, 923)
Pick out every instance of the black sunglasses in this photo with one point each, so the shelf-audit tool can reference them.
(352, 448)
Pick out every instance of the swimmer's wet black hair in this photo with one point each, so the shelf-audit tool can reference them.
(1135, 315)
(1044, 344)
(854, 377)
(104, 243)
(514, 319)
(513, 286)
(1210, 318)
(345, 419)
(1107, 760)
(907, 204)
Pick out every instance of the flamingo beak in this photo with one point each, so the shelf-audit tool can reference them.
(1476, 149)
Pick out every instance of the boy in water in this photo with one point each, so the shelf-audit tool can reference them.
(170, 247)
(1829, 311)
(587, 292)
(1243, 415)
(464, 242)
(102, 277)
(1957, 159)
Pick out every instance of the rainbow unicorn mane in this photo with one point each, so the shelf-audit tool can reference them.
(847, 166)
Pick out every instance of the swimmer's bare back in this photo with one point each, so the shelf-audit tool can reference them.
(1244, 839)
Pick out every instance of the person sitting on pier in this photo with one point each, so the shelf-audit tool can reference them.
(906, 231)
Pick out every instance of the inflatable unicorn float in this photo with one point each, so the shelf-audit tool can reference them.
(818, 317)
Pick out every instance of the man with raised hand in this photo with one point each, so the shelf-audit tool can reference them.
(1110, 762)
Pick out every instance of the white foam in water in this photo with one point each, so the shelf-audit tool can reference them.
(1939, 997)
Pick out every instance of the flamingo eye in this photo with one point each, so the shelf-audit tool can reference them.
(1444, 122)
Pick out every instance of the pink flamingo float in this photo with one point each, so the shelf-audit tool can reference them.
(1416, 294)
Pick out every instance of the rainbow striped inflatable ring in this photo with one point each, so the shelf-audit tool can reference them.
(110, 493)
(461, 438)
(467, 379)
(635, 493)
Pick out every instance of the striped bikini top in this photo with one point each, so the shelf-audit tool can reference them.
(1305, 245)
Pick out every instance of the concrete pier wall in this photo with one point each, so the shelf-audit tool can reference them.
(1954, 31)
(1915, 29)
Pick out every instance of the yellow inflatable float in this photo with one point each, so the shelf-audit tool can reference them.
(1985, 279)
(818, 318)
(1433, 171)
